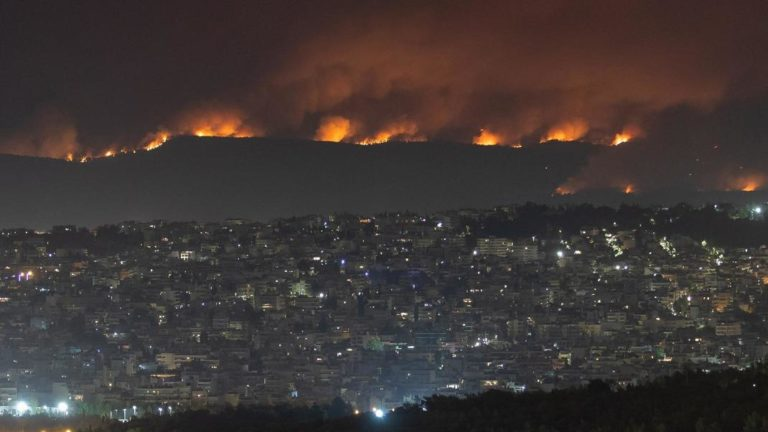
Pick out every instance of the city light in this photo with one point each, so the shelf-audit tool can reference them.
(484, 270)
(21, 408)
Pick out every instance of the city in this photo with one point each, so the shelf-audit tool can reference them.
(379, 311)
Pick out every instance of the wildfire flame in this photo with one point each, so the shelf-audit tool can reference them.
(629, 189)
(402, 130)
(203, 123)
(621, 138)
(486, 138)
(571, 130)
(218, 124)
(333, 129)
(628, 133)
(564, 190)
(157, 139)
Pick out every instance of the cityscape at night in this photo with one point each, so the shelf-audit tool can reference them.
(401, 215)
(379, 311)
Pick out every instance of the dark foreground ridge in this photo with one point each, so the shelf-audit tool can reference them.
(207, 179)
(215, 178)
(727, 400)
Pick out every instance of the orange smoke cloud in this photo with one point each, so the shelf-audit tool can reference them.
(49, 133)
(402, 130)
(333, 129)
(487, 138)
(571, 130)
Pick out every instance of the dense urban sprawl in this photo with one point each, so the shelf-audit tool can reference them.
(155, 317)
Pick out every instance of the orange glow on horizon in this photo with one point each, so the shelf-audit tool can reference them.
(487, 138)
(750, 187)
(564, 190)
(571, 130)
(747, 183)
(629, 189)
(333, 129)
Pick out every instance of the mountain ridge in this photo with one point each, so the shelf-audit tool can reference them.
(191, 178)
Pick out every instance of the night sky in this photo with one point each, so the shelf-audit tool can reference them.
(685, 83)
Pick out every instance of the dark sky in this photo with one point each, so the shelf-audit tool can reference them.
(687, 79)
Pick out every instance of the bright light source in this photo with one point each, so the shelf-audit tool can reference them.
(62, 407)
(378, 413)
(22, 407)
(560, 254)
(758, 210)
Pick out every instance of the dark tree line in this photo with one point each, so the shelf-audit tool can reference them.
(690, 401)
(722, 225)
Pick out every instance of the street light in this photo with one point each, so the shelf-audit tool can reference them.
(62, 408)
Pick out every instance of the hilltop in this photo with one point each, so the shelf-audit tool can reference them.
(257, 178)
